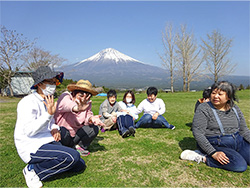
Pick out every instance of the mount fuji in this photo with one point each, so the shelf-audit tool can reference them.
(111, 68)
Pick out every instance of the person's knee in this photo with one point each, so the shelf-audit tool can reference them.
(96, 130)
(241, 166)
(147, 118)
(161, 118)
(72, 157)
(92, 132)
(77, 164)
(236, 165)
(66, 138)
(80, 166)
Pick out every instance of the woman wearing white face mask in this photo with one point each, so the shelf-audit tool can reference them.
(36, 134)
(126, 119)
(50, 88)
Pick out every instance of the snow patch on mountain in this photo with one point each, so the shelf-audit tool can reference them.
(109, 54)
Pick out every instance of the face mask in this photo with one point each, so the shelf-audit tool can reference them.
(49, 90)
(128, 100)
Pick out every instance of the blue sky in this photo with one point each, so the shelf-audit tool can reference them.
(77, 30)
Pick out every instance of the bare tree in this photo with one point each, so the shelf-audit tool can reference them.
(168, 58)
(3, 80)
(216, 49)
(188, 55)
(38, 57)
(13, 45)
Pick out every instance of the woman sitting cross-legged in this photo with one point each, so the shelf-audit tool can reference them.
(221, 132)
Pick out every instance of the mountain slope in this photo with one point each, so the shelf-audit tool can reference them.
(111, 68)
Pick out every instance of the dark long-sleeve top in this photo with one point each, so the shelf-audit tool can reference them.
(205, 125)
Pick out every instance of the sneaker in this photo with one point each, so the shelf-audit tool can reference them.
(32, 180)
(132, 131)
(172, 127)
(192, 156)
(83, 152)
(125, 134)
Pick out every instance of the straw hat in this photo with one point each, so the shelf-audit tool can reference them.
(43, 73)
(83, 85)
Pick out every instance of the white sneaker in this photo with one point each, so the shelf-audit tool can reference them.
(192, 156)
(32, 180)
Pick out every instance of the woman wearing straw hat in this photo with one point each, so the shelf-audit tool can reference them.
(77, 123)
(36, 134)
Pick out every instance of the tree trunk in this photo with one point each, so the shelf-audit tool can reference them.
(10, 88)
(184, 76)
(172, 82)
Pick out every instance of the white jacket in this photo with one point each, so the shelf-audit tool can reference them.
(33, 126)
(130, 107)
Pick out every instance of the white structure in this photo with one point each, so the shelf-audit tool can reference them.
(20, 83)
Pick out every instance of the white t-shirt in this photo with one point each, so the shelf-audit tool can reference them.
(151, 108)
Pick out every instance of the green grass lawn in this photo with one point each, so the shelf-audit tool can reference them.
(150, 159)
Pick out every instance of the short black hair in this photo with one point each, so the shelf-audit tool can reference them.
(206, 93)
(152, 90)
(227, 87)
(111, 93)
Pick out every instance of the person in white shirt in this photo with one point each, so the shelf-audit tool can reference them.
(153, 108)
(37, 136)
(125, 120)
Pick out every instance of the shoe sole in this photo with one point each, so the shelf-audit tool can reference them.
(132, 131)
(24, 173)
(126, 134)
(82, 153)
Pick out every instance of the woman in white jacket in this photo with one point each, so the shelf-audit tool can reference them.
(37, 136)
(126, 118)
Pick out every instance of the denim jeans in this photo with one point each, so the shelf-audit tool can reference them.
(54, 158)
(236, 148)
(147, 121)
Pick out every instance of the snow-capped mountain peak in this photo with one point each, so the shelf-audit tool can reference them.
(109, 54)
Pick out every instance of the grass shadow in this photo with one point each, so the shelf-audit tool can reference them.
(64, 175)
(95, 146)
(189, 124)
(153, 126)
(188, 143)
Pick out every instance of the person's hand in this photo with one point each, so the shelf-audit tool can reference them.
(114, 119)
(221, 157)
(82, 103)
(50, 105)
(56, 134)
(126, 111)
(96, 120)
(155, 116)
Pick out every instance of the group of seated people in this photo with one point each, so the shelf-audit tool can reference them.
(52, 136)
